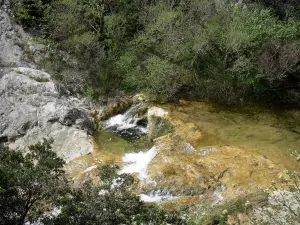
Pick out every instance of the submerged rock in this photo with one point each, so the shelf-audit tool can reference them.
(32, 109)
(199, 156)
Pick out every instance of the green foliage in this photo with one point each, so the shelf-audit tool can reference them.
(153, 61)
(111, 202)
(251, 27)
(228, 61)
(32, 14)
(283, 8)
(219, 50)
(29, 183)
(91, 92)
(33, 184)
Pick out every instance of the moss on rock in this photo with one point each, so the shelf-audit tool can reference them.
(159, 127)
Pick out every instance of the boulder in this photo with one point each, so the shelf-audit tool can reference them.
(157, 123)
(32, 109)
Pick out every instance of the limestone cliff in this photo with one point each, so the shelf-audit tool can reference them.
(31, 107)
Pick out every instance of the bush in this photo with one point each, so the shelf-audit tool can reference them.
(218, 50)
(29, 184)
(283, 8)
(32, 185)
(31, 14)
(227, 64)
(110, 203)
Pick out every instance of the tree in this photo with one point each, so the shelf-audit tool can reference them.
(31, 14)
(32, 185)
(109, 203)
(283, 8)
(29, 183)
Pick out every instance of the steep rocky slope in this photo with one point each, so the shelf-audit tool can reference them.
(10, 35)
(31, 107)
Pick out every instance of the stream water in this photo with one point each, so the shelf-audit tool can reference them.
(138, 162)
(124, 141)
(129, 125)
(273, 133)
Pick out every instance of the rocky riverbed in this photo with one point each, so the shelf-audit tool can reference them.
(206, 154)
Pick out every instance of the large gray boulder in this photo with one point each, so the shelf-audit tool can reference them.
(31, 108)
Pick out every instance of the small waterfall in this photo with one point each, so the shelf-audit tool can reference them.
(138, 162)
(127, 124)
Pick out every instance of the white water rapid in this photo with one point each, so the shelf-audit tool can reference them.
(138, 162)
(126, 121)
(157, 196)
(128, 124)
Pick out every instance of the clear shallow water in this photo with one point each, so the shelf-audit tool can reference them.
(136, 158)
(274, 134)
(124, 140)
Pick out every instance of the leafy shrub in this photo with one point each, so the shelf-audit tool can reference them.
(283, 8)
(116, 204)
(32, 14)
(218, 50)
(33, 184)
(29, 183)
(228, 62)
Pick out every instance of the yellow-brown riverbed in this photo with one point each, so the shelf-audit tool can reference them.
(233, 151)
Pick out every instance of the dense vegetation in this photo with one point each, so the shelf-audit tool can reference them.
(219, 50)
(33, 187)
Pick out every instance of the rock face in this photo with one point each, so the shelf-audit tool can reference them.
(111, 106)
(32, 109)
(10, 35)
